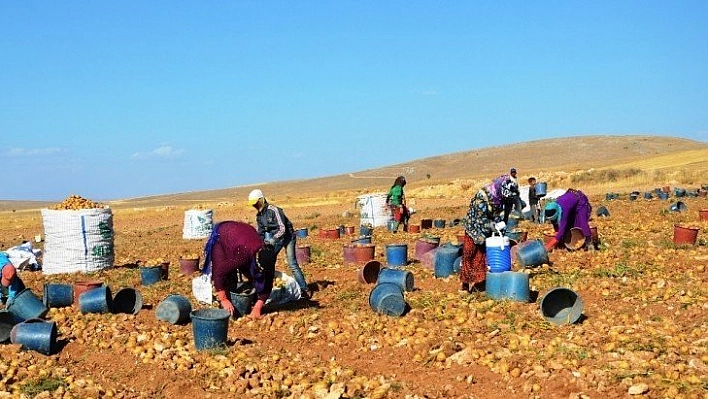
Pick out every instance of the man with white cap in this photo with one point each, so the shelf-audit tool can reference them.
(277, 230)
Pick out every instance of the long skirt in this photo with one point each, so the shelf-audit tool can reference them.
(473, 268)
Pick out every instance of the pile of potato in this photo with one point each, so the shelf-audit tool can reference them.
(75, 202)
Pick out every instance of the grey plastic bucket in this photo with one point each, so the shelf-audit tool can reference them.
(35, 334)
(387, 298)
(127, 300)
(97, 300)
(174, 309)
(243, 299)
(58, 295)
(561, 306)
(150, 275)
(26, 305)
(679, 206)
(402, 278)
(210, 327)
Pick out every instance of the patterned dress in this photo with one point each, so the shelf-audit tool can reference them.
(481, 216)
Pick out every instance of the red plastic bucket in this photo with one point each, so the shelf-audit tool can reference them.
(369, 273)
(302, 254)
(703, 215)
(685, 235)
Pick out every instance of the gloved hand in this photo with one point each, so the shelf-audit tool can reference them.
(551, 244)
(225, 302)
(270, 241)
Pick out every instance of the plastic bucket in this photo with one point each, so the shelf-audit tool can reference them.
(7, 321)
(174, 309)
(428, 258)
(82, 286)
(243, 299)
(439, 223)
(679, 192)
(387, 298)
(517, 286)
(397, 254)
(685, 235)
(127, 300)
(494, 285)
(679, 206)
(329, 233)
(531, 253)
(365, 230)
(362, 240)
(703, 215)
(633, 196)
(58, 295)
(426, 223)
(341, 229)
(402, 278)
(35, 334)
(349, 230)
(648, 195)
(164, 271)
(97, 300)
(602, 211)
(301, 232)
(348, 254)
(26, 305)
(498, 254)
(369, 273)
(663, 196)
(414, 228)
(302, 254)
(574, 239)
(210, 327)
(540, 189)
(516, 235)
(444, 259)
(364, 252)
(150, 275)
(561, 306)
(422, 246)
(188, 266)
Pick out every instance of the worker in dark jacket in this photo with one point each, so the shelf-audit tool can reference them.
(276, 229)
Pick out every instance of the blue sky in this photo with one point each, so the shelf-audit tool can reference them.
(113, 100)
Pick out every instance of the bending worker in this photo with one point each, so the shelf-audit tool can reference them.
(10, 279)
(572, 209)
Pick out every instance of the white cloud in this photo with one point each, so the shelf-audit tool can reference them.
(24, 152)
(163, 151)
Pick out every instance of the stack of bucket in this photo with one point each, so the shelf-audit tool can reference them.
(387, 296)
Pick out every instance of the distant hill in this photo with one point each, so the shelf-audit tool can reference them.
(530, 158)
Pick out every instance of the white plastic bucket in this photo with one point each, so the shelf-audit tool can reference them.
(373, 210)
(197, 224)
(498, 254)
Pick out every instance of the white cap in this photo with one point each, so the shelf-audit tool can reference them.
(254, 196)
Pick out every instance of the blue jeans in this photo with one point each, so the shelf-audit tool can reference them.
(289, 245)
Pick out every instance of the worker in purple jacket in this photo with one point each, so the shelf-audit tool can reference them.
(572, 209)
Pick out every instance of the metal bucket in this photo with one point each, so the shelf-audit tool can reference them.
(362, 240)
(561, 306)
(210, 327)
(57, 295)
(574, 239)
(387, 298)
(127, 300)
(26, 305)
(174, 309)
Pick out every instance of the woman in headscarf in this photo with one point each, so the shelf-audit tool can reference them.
(572, 209)
(396, 200)
(485, 212)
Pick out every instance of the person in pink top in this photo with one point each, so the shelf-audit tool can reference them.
(572, 209)
(235, 247)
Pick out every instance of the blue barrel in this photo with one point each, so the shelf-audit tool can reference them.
(540, 189)
(648, 195)
(35, 334)
(494, 285)
(58, 295)
(444, 259)
(365, 230)
(127, 300)
(7, 321)
(456, 265)
(531, 253)
(602, 211)
(301, 232)
(243, 299)
(402, 278)
(517, 286)
(26, 305)
(210, 327)
(439, 223)
(174, 309)
(387, 298)
(150, 275)
(397, 254)
(498, 254)
(561, 306)
(362, 240)
(97, 300)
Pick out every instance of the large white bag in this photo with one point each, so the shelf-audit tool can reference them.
(77, 240)
(197, 224)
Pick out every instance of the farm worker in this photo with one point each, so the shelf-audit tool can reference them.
(276, 229)
(533, 199)
(483, 218)
(571, 209)
(10, 279)
(396, 201)
(512, 199)
(235, 247)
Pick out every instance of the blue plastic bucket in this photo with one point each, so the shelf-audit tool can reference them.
(35, 334)
(456, 265)
(397, 254)
(174, 309)
(97, 300)
(517, 286)
(494, 285)
(444, 259)
(301, 232)
(602, 211)
(387, 298)
(498, 254)
(561, 306)
(439, 223)
(210, 327)
(633, 196)
(362, 240)
(402, 278)
(531, 253)
(150, 275)
(679, 192)
(540, 189)
(648, 195)
(127, 300)
(58, 295)
(678, 207)
(27, 306)
(663, 196)
(365, 230)
(243, 299)
(7, 321)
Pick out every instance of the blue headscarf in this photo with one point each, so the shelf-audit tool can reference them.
(552, 211)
